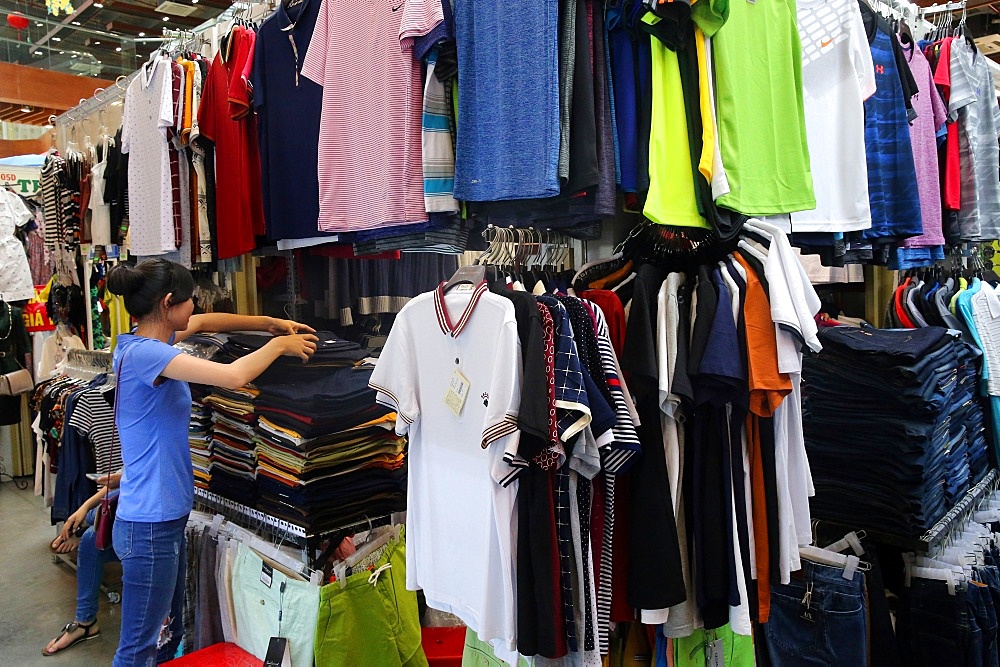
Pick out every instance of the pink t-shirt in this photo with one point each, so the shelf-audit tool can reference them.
(370, 167)
(931, 115)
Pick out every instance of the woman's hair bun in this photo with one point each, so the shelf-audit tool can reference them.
(124, 280)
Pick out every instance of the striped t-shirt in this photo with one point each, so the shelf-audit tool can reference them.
(973, 98)
(94, 417)
(369, 164)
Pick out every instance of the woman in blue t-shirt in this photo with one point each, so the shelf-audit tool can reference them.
(153, 409)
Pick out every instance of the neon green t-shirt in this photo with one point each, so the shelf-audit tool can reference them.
(762, 131)
(671, 198)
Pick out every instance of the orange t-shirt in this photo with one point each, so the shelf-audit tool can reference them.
(768, 386)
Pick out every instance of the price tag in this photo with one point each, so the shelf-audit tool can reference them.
(715, 654)
(266, 574)
(457, 392)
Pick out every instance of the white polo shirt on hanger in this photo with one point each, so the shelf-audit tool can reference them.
(461, 518)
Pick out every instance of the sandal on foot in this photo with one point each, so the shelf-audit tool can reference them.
(73, 627)
(61, 546)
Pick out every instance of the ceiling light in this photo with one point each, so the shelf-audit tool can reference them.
(57, 39)
(62, 53)
(75, 22)
(99, 5)
(118, 48)
(26, 109)
(166, 18)
(142, 34)
(39, 24)
(99, 62)
(96, 43)
(73, 56)
(194, 2)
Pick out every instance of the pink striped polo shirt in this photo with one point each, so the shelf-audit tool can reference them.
(369, 164)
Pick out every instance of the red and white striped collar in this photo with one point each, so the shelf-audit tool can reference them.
(444, 321)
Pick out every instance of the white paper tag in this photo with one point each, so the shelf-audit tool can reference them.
(715, 654)
(266, 574)
(457, 392)
(464, 287)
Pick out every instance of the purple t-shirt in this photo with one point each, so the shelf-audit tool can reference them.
(931, 115)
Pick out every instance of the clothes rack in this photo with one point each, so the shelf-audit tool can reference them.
(87, 364)
(284, 531)
(957, 514)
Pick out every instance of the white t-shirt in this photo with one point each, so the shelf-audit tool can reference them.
(148, 113)
(794, 303)
(986, 315)
(681, 619)
(55, 352)
(15, 272)
(837, 76)
(461, 522)
(100, 213)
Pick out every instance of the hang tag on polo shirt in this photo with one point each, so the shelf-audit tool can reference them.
(266, 574)
(464, 287)
(457, 392)
(715, 654)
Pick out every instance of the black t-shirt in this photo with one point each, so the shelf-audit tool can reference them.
(533, 415)
(654, 573)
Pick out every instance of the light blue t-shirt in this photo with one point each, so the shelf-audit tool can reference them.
(158, 482)
(508, 101)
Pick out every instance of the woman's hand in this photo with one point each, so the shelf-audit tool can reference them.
(72, 522)
(302, 346)
(112, 481)
(287, 327)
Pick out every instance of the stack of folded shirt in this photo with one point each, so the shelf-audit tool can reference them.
(233, 460)
(200, 442)
(331, 353)
(234, 403)
(893, 427)
(327, 454)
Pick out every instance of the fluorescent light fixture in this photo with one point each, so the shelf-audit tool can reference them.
(96, 42)
(142, 34)
(118, 48)
(99, 5)
(26, 109)
(57, 39)
(166, 18)
(75, 22)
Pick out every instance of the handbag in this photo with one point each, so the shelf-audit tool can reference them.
(104, 521)
(16, 382)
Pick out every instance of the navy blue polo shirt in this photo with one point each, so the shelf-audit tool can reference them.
(288, 109)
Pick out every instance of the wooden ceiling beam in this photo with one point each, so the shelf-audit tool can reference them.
(11, 147)
(20, 84)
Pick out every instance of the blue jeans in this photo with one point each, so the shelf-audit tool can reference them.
(89, 571)
(154, 559)
(818, 619)
(935, 628)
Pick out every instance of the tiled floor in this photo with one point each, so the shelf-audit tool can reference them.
(38, 597)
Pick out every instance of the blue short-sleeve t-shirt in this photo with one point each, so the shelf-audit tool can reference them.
(153, 416)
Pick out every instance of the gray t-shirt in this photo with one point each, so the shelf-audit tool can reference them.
(974, 100)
